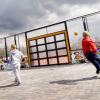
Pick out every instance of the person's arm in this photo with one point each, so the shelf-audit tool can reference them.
(22, 56)
(92, 46)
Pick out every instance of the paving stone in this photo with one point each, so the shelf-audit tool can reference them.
(65, 82)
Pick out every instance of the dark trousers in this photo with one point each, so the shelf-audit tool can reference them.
(94, 59)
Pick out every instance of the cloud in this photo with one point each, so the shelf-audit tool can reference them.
(77, 2)
(17, 16)
(21, 15)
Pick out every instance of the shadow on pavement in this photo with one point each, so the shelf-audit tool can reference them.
(9, 85)
(74, 81)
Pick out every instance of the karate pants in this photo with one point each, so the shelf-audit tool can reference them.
(16, 70)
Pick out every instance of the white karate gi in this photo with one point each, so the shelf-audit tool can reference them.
(15, 57)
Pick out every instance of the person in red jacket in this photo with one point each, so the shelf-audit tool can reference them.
(90, 50)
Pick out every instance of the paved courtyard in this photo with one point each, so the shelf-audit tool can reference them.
(67, 82)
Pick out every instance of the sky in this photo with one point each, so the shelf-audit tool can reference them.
(21, 15)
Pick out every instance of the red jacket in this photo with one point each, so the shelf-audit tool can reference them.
(88, 45)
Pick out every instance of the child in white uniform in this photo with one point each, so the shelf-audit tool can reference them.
(15, 57)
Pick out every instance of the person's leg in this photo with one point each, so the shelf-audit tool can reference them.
(19, 67)
(96, 64)
(97, 58)
(93, 59)
(15, 80)
(1, 67)
(16, 73)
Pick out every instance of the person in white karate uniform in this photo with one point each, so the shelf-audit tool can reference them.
(15, 58)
